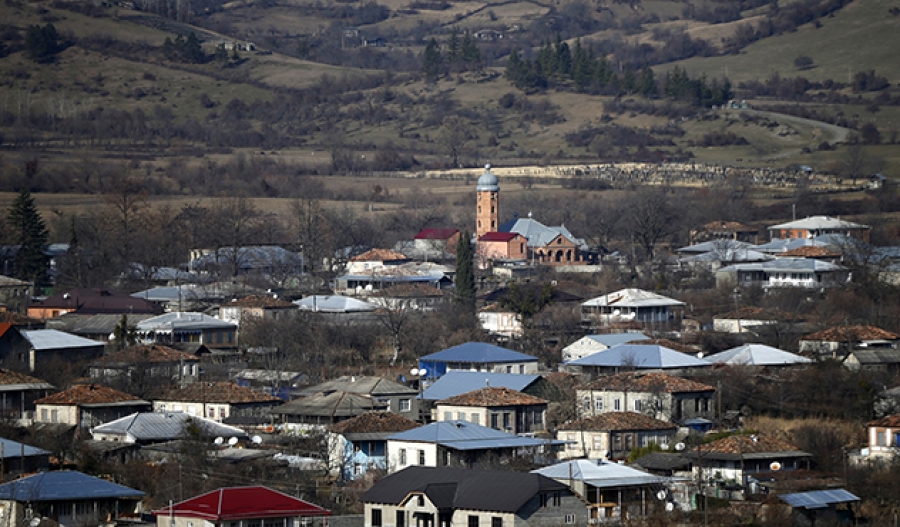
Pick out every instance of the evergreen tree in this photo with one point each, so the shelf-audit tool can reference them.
(465, 273)
(647, 82)
(454, 50)
(432, 60)
(31, 235)
(471, 55)
(191, 50)
(582, 67)
(124, 334)
(42, 43)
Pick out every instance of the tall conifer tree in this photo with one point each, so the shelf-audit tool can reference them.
(465, 273)
(30, 234)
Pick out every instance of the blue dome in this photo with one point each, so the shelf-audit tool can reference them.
(488, 182)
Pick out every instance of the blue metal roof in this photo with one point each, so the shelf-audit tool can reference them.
(64, 485)
(13, 449)
(455, 383)
(640, 356)
(478, 352)
(818, 499)
(463, 435)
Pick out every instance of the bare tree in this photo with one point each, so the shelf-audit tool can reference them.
(234, 226)
(453, 136)
(650, 218)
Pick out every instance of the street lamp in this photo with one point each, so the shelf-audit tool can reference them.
(420, 373)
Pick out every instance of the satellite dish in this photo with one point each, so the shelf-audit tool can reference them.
(219, 440)
(670, 507)
(679, 446)
(775, 466)
(661, 495)
(233, 441)
(256, 440)
(664, 446)
(700, 355)
(35, 521)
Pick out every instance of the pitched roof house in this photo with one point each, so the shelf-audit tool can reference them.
(590, 344)
(258, 307)
(42, 347)
(87, 405)
(19, 458)
(398, 398)
(730, 460)
(627, 357)
(814, 226)
(18, 393)
(751, 319)
(374, 259)
(359, 444)
(458, 382)
(173, 328)
(477, 356)
(499, 408)
(427, 496)
(612, 435)
(757, 355)
(838, 341)
(254, 505)
(321, 409)
(651, 310)
(217, 401)
(159, 427)
(659, 395)
(88, 301)
(784, 272)
(68, 498)
(146, 365)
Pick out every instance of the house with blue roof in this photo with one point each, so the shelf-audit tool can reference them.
(68, 498)
(19, 458)
(590, 344)
(477, 356)
(629, 357)
(458, 382)
(461, 444)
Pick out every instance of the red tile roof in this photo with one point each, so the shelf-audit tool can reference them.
(617, 421)
(379, 255)
(811, 252)
(436, 234)
(146, 353)
(852, 334)
(88, 394)
(218, 392)
(497, 236)
(371, 422)
(890, 421)
(492, 396)
(259, 301)
(732, 226)
(4, 327)
(8, 377)
(748, 444)
(761, 313)
(647, 382)
(242, 503)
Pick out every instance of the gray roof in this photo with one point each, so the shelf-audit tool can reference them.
(787, 265)
(252, 257)
(488, 181)
(635, 298)
(728, 255)
(640, 356)
(877, 356)
(818, 499)
(819, 223)
(334, 304)
(612, 339)
(52, 339)
(333, 405)
(164, 426)
(537, 233)
(662, 461)
(64, 485)
(182, 322)
(788, 244)
(364, 385)
(455, 383)
(720, 245)
(600, 474)
(101, 324)
(461, 488)
(463, 435)
(757, 355)
(13, 449)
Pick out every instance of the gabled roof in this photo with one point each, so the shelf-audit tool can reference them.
(259, 301)
(633, 298)
(729, 226)
(782, 245)
(379, 255)
(889, 421)
(611, 339)
(147, 353)
(492, 396)
(93, 300)
(51, 339)
(781, 265)
(64, 485)
(647, 382)
(165, 426)
(242, 503)
(90, 395)
(478, 352)
(218, 392)
(719, 246)
(600, 473)
(852, 334)
(461, 488)
(182, 322)
(811, 252)
(877, 356)
(10, 449)
(818, 499)
(332, 405)
(8, 281)
(436, 234)
(617, 422)
(640, 356)
(374, 422)
(334, 304)
(750, 447)
(463, 435)
(671, 344)
(102, 324)
(365, 385)
(538, 234)
(13, 380)
(459, 382)
(757, 355)
(498, 236)
(819, 223)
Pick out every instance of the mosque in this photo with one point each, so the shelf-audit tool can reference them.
(520, 239)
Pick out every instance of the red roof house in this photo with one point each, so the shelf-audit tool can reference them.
(235, 504)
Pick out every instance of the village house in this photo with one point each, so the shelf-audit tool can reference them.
(881, 360)
(477, 356)
(458, 382)
(590, 344)
(631, 357)
(839, 341)
(732, 230)
(432, 244)
(499, 408)
(94, 327)
(217, 401)
(37, 349)
(91, 302)
(242, 507)
(882, 439)
(500, 247)
(264, 261)
(749, 319)
(359, 444)
(662, 396)
(87, 405)
(815, 226)
(732, 460)
(14, 294)
(322, 409)
(433, 497)
(256, 307)
(375, 259)
(176, 328)
(612, 435)
(18, 459)
(784, 272)
(147, 365)
(393, 396)
(650, 310)
(413, 273)
(18, 392)
(758, 355)
(502, 323)
(147, 428)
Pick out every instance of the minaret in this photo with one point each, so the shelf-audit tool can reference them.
(488, 207)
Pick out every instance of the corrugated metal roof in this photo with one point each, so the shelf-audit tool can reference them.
(14, 449)
(640, 356)
(455, 383)
(51, 339)
(237, 503)
(611, 339)
(334, 304)
(182, 321)
(757, 355)
(600, 474)
(818, 499)
(781, 265)
(364, 385)
(163, 426)
(632, 298)
(819, 222)
(478, 352)
(463, 435)
(720, 245)
(64, 485)
(537, 233)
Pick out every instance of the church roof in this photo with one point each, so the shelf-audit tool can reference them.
(488, 182)
(537, 233)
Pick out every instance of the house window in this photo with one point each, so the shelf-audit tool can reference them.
(376, 517)
(586, 403)
(54, 416)
(421, 457)
(570, 442)
(506, 420)
(475, 418)
(461, 416)
(570, 519)
(543, 498)
(44, 414)
(405, 405)
(420, 500)
(880, 439)
(598, 442)
(64, 509)
(494, 421)
(401, 519)
(598, 405)
(496, 522)
(637, 405)
(617, 404)
(448, 416)
(222, 413)
(473, 520)
(402, 457)
(509, 369)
